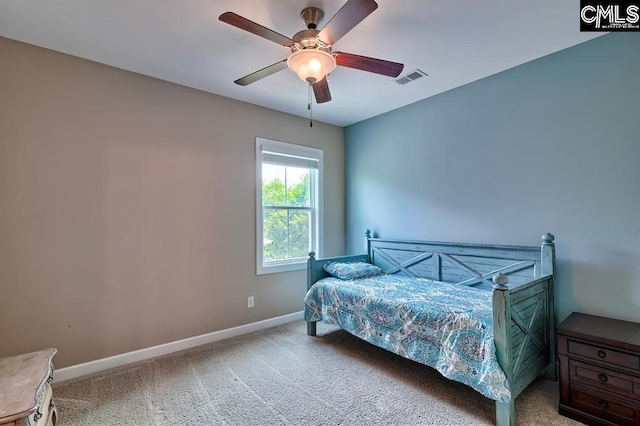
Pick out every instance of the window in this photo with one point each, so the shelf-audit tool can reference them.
(289, 214)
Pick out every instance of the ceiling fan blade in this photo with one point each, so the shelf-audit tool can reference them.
(365, 63)
(257, 29)
(321, 91)
(264, 72)
(350, 15)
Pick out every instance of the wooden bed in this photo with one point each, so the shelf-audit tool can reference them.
(521, 279)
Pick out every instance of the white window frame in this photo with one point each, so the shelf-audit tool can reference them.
(292, 150)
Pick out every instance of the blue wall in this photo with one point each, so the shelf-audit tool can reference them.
(549, 146)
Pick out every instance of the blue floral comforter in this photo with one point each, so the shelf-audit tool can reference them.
(445, 326)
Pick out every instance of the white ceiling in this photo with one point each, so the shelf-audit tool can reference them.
(182, 41)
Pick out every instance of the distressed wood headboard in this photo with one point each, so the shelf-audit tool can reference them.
(457, 263)
(461, 263)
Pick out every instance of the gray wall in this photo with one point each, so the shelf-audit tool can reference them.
(127, 208)
(552, 145)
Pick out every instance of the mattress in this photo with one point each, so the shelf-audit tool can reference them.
(445, 326)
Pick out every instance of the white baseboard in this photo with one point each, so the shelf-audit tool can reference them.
(79, 370)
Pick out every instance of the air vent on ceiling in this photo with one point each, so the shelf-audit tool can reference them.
(409, 77)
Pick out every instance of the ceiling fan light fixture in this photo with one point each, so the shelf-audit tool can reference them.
(311, 65)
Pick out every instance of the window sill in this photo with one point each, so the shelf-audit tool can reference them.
(282, 267)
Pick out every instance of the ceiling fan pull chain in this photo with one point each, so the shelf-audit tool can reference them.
(309, 101)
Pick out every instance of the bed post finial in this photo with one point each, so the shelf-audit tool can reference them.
(312, 255)
(367, 245)
(548, 267)
(548, 254)
(500, 281)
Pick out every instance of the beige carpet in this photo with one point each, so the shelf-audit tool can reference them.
(281, 376)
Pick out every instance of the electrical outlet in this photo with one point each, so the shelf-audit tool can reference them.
(250, 302)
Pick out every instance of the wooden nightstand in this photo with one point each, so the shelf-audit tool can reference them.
(25, 393)
(599, 370)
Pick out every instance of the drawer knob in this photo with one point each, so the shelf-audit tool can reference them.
(602, 354)
(603, 378)
(604, 405)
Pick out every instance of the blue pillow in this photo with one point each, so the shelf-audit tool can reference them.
(351, 270)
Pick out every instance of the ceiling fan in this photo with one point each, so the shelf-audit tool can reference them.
(311, 57)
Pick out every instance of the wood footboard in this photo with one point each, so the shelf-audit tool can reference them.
(523, 330)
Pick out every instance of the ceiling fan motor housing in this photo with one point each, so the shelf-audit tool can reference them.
(311, 17)
(306, 39)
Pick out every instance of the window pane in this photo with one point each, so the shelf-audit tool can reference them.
(275, 235)
(273, 178)
(286, 234)
(299, 233)
(298, 187)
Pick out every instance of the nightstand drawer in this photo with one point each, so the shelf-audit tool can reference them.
(603, 354)
(604, 407)
(599, 377)
(43, 416)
